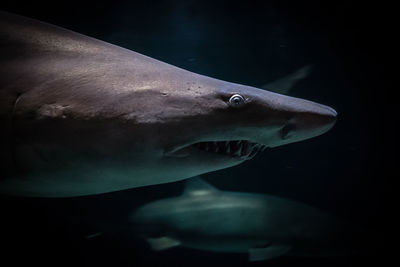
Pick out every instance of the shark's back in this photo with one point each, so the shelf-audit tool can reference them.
(46, 67)
(33, 55)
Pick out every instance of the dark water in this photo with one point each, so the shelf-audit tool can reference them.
(346, 171)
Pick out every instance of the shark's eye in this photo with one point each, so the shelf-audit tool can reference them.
(236, 101)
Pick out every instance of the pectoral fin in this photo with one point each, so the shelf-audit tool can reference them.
(161, 243)
(266, 253)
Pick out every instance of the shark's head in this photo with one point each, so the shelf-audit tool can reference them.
(210, 124)
(168, 126)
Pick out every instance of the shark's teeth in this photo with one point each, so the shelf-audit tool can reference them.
(255, 150)
(216, 147)
(227, 147)
(238, 149)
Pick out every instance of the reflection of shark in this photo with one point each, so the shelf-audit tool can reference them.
(80, 116)
(265, 226)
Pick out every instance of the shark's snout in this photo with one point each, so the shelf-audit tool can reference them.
(305, 121)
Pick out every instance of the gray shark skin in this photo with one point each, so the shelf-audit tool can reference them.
(264, 226)
(81, 116)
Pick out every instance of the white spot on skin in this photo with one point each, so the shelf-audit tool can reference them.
(144, 87)
(51, 111)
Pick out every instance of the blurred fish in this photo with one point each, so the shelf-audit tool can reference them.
(80, 116)
(285, 85)
(264, 226)
(94, 235)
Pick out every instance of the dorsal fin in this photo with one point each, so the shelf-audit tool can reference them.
(197, 187)
(285, 84)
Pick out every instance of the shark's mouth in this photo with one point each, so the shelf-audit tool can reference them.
(239, 149)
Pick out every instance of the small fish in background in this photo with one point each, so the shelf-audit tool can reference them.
(93, 235)
(285, 85)
(264, 226)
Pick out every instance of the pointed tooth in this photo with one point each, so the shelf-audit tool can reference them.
(263, 148)
(207, 146)
(238, 152)
(213, 146)
(232, 147)
(246, 147)
(226, 145)
(254, 148)
(254, 151)
(216, 147)
(221, 147)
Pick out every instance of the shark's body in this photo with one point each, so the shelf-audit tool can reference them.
(80, 116)
(264, 226)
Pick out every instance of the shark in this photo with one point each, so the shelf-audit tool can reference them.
(81, 116)
(262, 225)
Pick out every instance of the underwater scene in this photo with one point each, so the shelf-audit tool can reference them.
(197, 133)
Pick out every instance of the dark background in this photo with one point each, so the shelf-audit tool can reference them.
(347, 171)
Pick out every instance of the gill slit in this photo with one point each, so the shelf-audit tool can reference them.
(14, 158)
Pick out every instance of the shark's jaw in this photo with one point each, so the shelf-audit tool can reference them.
(239, 150)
